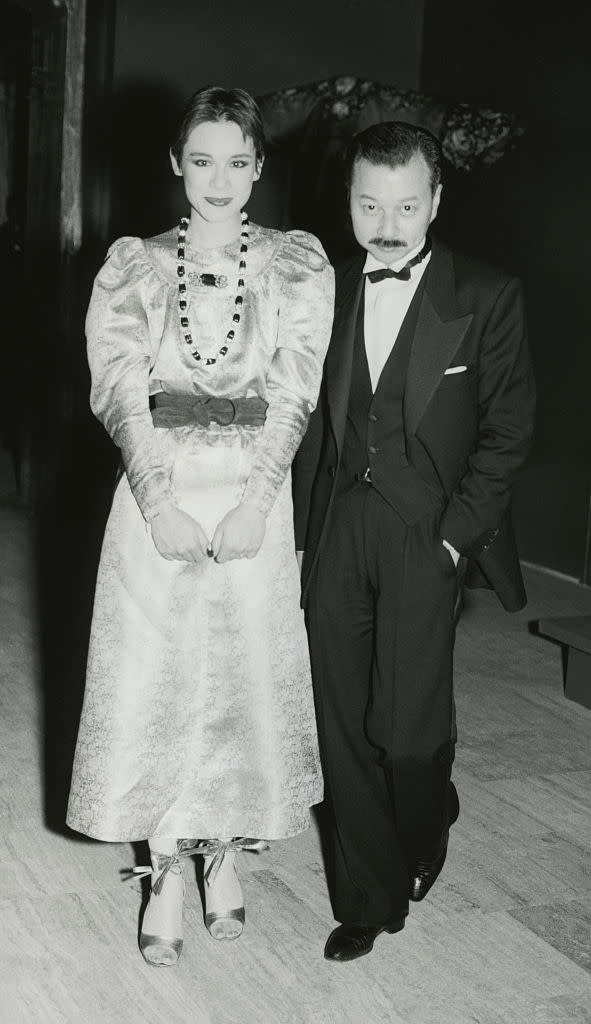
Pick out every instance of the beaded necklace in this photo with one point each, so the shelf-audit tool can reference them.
(218, 281)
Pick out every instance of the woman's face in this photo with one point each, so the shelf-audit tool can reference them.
(218, 167)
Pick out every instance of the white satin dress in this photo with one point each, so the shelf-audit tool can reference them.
(198, 717)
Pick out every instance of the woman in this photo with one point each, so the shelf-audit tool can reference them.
(206, 347)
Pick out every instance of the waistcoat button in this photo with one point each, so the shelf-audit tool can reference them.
(373, 450)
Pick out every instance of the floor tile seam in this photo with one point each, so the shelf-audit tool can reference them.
(526, 779)
(579, 970)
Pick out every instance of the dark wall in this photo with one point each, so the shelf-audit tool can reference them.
(265, 44)
(531, 213)
(163, 52)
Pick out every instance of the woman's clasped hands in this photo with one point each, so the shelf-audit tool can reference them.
(179, 537)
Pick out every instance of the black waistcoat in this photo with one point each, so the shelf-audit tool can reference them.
(374, 434)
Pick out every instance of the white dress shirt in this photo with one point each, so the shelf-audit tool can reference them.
(386, 305)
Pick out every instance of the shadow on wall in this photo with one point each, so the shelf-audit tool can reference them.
(146, 197)
(72, 502)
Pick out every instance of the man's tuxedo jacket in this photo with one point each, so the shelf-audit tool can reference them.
(475, 426)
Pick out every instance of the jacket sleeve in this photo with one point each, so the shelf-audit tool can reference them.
(306, 297)
(506, 399)
(305, 466)
(120, 356)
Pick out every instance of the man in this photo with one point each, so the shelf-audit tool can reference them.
(425, 416)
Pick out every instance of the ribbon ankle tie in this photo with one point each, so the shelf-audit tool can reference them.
(215, 848)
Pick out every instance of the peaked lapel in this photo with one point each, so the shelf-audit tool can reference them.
(340, 354)
(440, 330)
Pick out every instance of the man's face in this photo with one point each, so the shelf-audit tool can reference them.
(392, 207)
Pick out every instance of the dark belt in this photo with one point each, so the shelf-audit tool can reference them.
(183, 410)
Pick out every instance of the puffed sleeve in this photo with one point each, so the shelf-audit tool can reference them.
(306, 307)
(120, 356)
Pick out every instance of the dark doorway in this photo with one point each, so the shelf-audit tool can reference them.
(15, 67)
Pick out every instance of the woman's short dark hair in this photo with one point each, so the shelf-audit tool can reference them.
(394, 144)
(213, 103)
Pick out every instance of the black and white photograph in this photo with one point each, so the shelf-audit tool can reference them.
(295, 512)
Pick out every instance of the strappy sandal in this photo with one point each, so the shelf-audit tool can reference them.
(227, 923)
(166, 875)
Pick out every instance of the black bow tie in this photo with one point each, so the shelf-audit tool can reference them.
(404, 273)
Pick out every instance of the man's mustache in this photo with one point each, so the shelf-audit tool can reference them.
(388, 243)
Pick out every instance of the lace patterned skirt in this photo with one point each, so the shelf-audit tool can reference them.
(198, 717)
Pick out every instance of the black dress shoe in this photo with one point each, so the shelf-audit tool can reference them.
(350, 941)
(426, 872)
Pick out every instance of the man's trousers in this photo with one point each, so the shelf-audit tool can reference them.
(381, 628)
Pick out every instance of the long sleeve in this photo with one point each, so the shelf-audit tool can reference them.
(507, 401)
(120, 355)
(306, 306)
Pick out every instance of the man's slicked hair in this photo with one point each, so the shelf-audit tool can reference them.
(394, 144)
